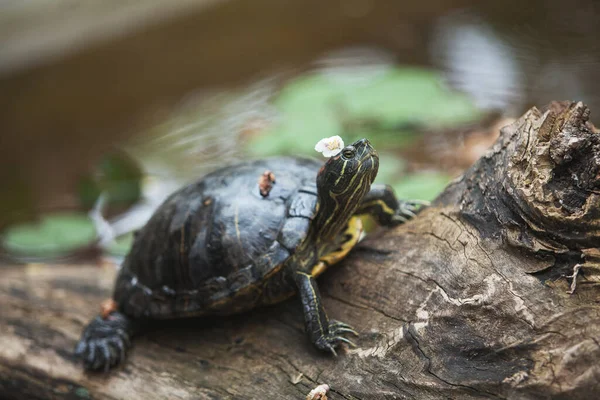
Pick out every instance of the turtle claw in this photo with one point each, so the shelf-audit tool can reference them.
(409, 213)
(104, 342)
(334, 338)
(346, 330)
(343, 339)
(416, 202)
(330, 349)
(106, 353)
(399, 219)
(407, 209)
(337, 327)
(338, 324)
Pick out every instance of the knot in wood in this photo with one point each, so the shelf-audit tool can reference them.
(541, 176)
(554, 173)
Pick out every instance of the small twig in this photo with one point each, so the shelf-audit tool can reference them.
(576, 269)
(297, 378)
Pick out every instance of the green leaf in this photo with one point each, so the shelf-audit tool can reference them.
(54, 235)
(409, 96)
(305, 118)
(386, 108)
(422, 185)
(118, 176)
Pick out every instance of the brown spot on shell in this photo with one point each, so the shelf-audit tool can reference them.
(265, 183)
(107, 307)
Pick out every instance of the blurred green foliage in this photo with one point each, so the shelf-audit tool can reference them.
(54, 235)
(117, 176)
(425, 185)
(390, 108)
(390, 166)
(385, 108)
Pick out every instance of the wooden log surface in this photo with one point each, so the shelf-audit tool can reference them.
(467, 301)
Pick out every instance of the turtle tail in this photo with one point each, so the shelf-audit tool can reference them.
(105, 341)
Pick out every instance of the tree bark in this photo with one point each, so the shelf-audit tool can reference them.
(467, 301)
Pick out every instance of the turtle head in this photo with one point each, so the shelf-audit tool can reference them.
(342, 183)
(353, 169)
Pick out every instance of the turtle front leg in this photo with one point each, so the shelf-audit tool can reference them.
(324, 333)
(381, 202)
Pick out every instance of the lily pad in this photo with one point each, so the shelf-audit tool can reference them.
(53, 236)
(386, 108)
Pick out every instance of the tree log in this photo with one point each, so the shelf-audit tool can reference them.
(469, 300)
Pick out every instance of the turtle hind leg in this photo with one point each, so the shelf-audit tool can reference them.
(105, 341)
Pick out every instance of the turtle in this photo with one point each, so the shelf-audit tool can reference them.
(231, 242)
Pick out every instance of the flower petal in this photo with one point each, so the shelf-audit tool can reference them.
(330, 146)
(321, 146)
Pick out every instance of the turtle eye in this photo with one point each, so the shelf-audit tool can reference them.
(348, 153)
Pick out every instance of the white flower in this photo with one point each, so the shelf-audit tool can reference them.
(330, 146)
(318, 393)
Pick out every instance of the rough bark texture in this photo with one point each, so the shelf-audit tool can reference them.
(467, 301)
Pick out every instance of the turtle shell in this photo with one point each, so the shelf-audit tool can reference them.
(217, 240)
